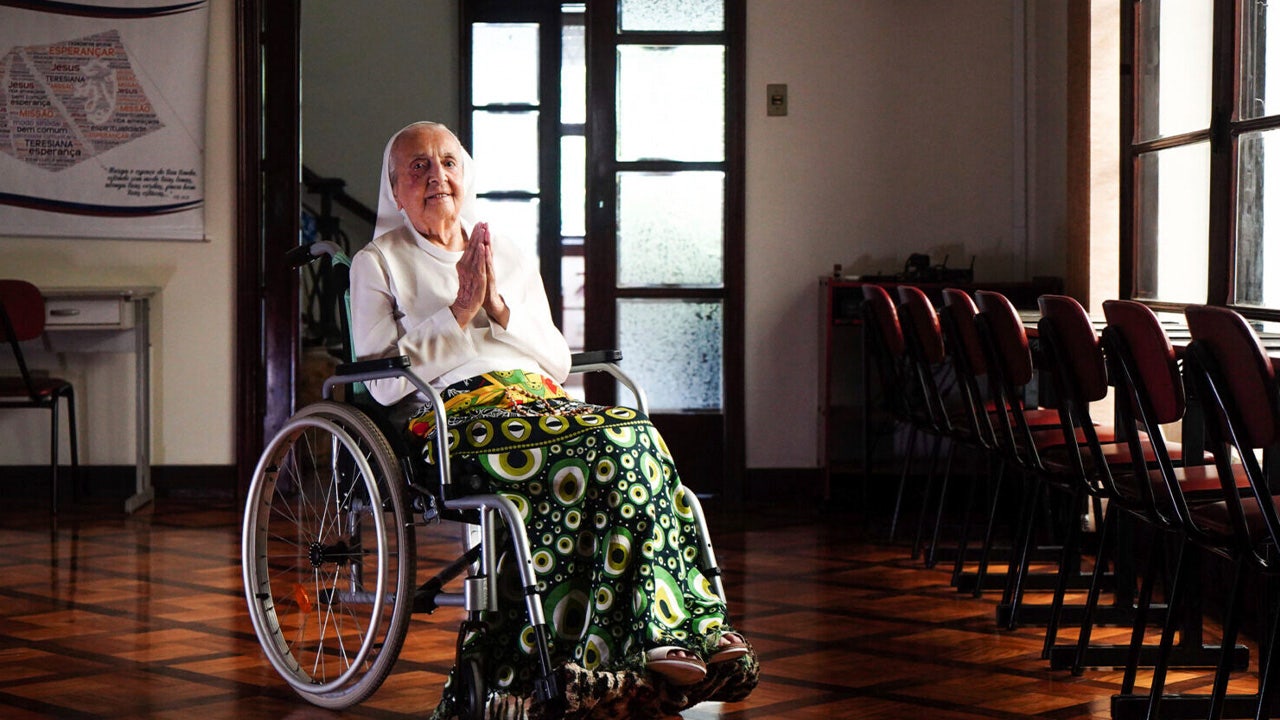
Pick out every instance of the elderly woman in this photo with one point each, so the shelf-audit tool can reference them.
(613, 542)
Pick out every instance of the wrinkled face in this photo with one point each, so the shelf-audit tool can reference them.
(427, 171)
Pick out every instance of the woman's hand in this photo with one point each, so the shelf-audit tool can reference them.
(494, 304)
(473, 276)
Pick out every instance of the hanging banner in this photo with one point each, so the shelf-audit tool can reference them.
(102, 118)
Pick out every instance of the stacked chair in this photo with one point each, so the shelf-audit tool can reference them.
(902, 402)
(1178, 501)
(950, 417)
(1236, 384)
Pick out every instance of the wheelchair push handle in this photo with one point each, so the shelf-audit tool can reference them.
(306, 254)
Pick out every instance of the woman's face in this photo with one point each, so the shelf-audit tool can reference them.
(427, 164)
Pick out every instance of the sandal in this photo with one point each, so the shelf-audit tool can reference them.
(676, 669)
(731, 647)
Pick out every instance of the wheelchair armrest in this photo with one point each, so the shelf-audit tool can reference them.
(607, 361)
(595, 357)
(391, 366)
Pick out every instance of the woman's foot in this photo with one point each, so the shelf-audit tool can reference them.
(730, 647)
(675, 664)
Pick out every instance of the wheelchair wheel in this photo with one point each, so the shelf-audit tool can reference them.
(328, 555)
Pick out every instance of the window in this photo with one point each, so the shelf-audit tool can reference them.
(1198, 187)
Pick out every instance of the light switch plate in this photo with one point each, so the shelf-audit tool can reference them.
(776, 97)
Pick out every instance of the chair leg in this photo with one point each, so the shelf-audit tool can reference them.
(931, 558)
(53, 461)
(1138, 636)
(1068, 559)
(1109, 519)
(984, 560)
(902, 482)
(1267, 670)
(1230, 630)
(928, 492)
(76, 481)
(1020, 563)
(966, 520)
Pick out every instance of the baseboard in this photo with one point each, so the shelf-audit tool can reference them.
(117, 482)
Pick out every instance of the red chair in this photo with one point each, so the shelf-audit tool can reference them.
(1236, 381)
(1183, 503)
(901, 400)
(950, 414)
(22, 317)
(1049, 458)
(1007, 355)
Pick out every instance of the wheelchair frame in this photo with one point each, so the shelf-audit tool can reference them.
(330, 633)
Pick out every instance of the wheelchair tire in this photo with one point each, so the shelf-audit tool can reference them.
(471, 693)
(328, 554)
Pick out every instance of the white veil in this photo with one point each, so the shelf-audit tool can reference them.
(391, 217)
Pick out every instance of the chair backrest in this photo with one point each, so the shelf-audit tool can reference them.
(1234, 378)
(1075, 366)
(1154, 364)
(1007, 338)
(881, 316)
(921, 324)
(1243, 369)
(966, 345)
(1149, 393)
(23, 307)
(1075, 345)
(21, 319)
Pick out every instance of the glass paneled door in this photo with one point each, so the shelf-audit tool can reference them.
(622, 165)
(664, 267)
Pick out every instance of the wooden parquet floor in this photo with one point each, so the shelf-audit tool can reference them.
(110, 616)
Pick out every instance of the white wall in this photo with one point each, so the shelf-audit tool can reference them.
(192, 355)
(900, 138)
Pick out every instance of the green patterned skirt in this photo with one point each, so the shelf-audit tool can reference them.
(613, 537)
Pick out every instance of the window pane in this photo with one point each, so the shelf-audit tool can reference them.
(1175, 58)
(505, 148)
(573, 185)
(516, 220)
(677, 15)
(573, 284)
(1257, 203)
(671, 103)
(504, 63)
(670, 229)
(573, 73)
(1172, 189)
(650, 332)
(1259, 68)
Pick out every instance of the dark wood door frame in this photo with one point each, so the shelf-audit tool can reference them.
(268, 162)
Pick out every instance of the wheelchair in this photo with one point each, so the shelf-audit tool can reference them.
(331, 523)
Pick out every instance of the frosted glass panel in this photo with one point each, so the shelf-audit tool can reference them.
(671, 103)
(573, 75)
(671, 229)
(573, 282)
(504, 63)
(688, 15)
(516, 220)
(573, 185)
(673, 349)
(505, 149)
